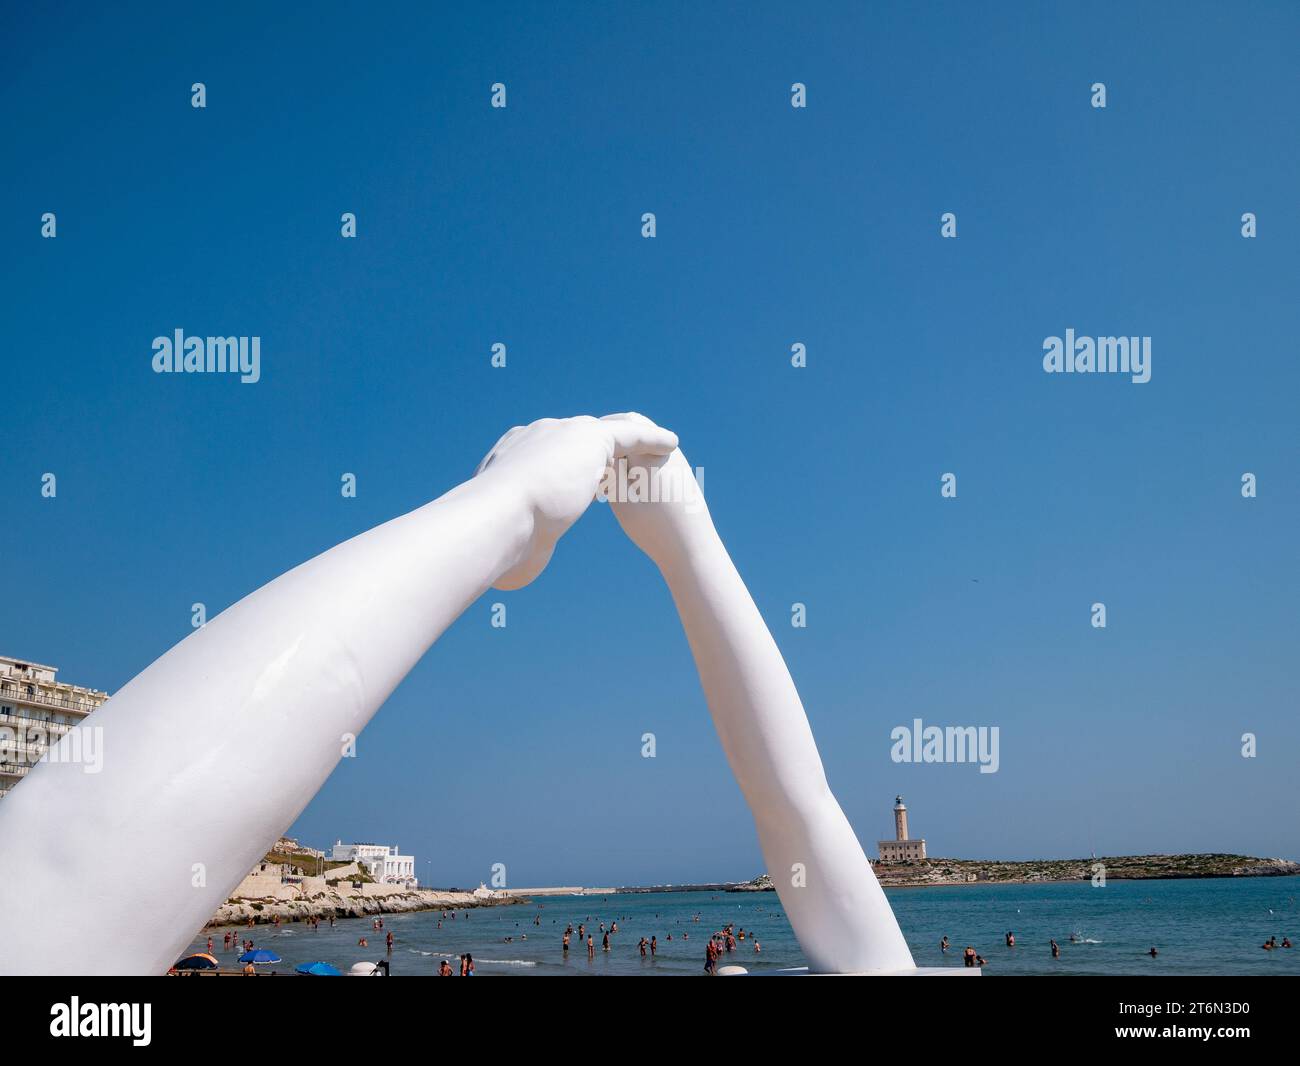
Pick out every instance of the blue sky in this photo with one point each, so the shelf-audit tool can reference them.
(775, 226)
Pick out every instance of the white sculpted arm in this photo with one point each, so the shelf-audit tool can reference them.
(840, 915)
(212, 752)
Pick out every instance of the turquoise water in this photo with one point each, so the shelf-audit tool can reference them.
(1212, 926)
(1199, 926)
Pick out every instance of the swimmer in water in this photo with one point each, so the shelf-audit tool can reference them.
(1153, 953)
(1056, 950)
(943, 945)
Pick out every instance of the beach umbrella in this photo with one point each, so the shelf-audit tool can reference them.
(318, 969)
(259, 956)
(201, 961)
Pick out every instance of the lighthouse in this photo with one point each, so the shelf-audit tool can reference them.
(902, 848)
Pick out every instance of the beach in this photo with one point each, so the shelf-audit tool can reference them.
(1199, 926)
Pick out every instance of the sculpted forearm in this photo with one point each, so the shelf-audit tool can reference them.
(755, 705)
(835, 904)
(829, 890)
(214, 750)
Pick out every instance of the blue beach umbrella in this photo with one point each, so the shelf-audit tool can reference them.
(318, 969)
(259, 956)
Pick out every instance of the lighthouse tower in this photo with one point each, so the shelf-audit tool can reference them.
(902, 848)
(900, 819)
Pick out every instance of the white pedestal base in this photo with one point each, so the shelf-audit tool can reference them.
(803, 971)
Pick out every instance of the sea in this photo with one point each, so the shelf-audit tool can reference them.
(1198, 926)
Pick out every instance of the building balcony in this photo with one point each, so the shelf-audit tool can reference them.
(26, 721)
(28, 753)
(19, 694)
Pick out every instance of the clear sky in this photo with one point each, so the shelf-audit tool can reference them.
(775, 225)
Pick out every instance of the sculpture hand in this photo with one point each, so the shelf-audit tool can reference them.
(555, 466)
(663, 510)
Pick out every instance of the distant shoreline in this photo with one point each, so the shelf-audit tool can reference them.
(932, 873)
(316, 899)
(918, 881)
(1068, 880)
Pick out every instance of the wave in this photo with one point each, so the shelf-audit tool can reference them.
(508, 962)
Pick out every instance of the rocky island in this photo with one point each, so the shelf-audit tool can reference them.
(1116, 868)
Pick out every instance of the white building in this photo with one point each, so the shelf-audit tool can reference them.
(902, 848)
(383, 863)
(35, 711)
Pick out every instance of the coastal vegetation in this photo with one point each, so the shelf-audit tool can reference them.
(304, 864)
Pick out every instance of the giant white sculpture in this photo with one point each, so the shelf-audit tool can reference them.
(216, 747)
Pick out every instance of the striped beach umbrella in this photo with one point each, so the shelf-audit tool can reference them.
(201, 961)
